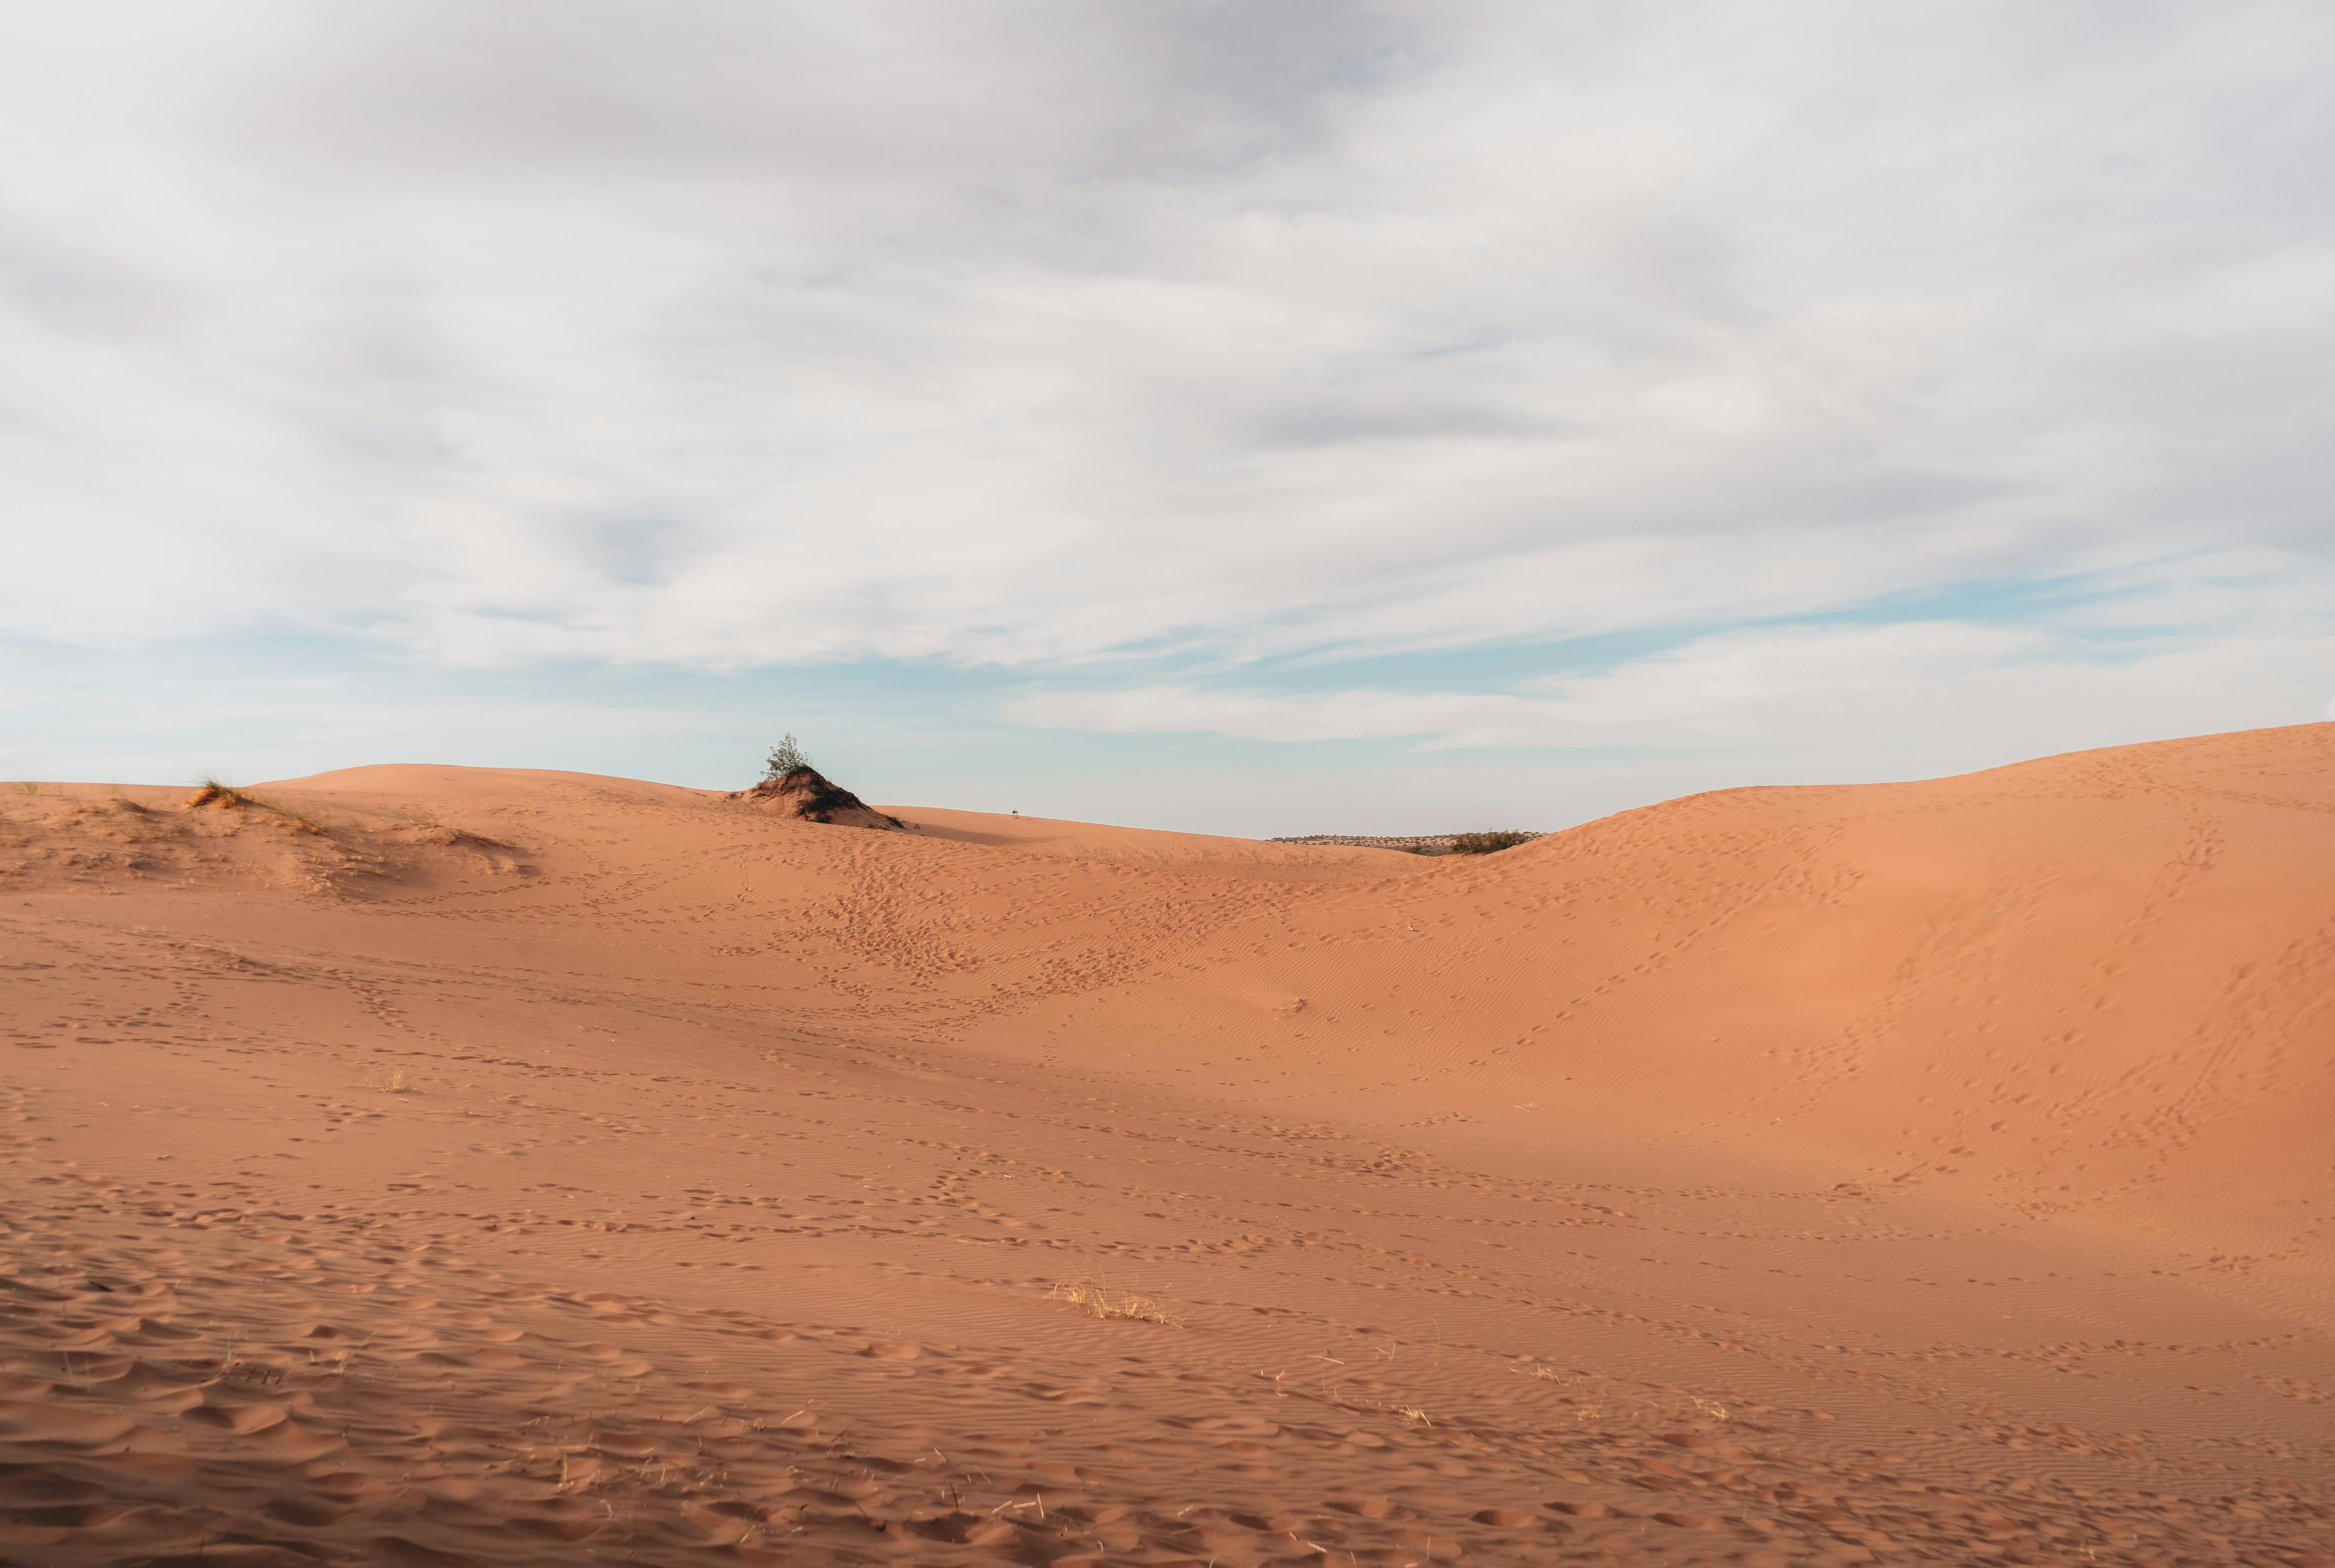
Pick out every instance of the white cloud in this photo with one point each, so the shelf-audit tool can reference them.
(1040, 333)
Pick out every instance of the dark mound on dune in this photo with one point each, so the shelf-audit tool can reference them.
(807, 796)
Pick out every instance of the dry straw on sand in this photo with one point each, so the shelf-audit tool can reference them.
(1097, 1300)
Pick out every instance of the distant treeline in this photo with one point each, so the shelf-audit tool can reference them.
(1484, 843)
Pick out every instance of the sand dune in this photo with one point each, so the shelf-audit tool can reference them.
(2102, 983)
(438, 1165)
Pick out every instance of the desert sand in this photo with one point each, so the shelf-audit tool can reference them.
(427, 1165)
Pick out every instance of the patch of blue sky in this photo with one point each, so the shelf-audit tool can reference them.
(2003, 602)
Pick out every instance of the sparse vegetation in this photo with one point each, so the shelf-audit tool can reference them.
(1488, 843)
(1096, 1300)
(28, 788)
(393, 1083)
(302, 821)
(787, 757)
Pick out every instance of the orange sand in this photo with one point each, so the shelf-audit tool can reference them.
(441, 1165)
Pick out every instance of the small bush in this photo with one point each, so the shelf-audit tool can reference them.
(1488, 843)
(787, 757)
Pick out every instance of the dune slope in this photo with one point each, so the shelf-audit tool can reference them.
(435, 1165)
(2100, 985)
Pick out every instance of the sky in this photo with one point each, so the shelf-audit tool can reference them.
(1257, 419)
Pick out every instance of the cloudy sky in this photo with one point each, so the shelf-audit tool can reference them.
(1262, 418)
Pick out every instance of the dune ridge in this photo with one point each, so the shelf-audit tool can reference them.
(434, 1165)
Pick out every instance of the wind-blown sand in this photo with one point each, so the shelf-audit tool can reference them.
(507, 1166)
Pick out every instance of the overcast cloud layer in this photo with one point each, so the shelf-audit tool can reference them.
(1857, 391)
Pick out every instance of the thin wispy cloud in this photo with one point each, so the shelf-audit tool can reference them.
(1910, 693)
(1163, 360)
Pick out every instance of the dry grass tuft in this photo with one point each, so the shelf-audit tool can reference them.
(392, 1083)
(1096, 1300)
(225, 797)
